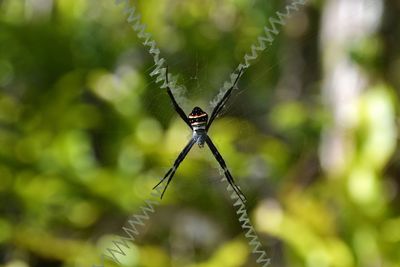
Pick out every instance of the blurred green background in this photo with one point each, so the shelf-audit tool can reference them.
(311, 136)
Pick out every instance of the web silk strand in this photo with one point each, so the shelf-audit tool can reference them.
(263, 41)
(134, 18)
(250, 233)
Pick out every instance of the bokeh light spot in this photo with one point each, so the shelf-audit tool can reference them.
(362, 186)
(149, 131)
(130, 159)
(83, 214)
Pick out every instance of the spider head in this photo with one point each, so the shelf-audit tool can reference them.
(198, 117)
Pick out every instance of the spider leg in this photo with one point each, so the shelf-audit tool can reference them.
(178, 109)
(217, 109)
(178, 161)
(222, 163)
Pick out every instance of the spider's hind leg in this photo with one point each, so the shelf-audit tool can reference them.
(227, 173)
(177, 162)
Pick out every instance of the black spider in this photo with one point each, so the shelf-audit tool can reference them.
(199, 123)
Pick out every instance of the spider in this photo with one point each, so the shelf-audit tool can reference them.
(199, 123)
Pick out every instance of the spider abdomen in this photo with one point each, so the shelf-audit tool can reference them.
(198, 117)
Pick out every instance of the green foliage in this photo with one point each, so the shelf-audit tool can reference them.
(85, 133)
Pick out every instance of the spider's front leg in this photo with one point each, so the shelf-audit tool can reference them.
(223, 100)
(178, 109)
(178, 161)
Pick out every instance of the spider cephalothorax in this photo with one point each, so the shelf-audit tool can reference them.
(199, 123)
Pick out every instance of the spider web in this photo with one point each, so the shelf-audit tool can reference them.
(189, 86)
